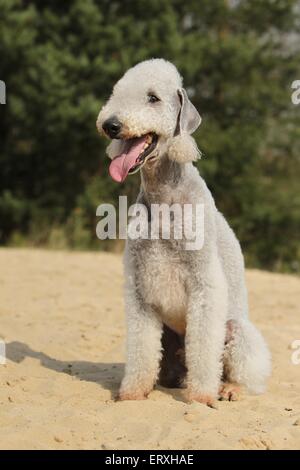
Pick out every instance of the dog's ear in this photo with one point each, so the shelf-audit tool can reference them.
(188, 117)
(182, 148)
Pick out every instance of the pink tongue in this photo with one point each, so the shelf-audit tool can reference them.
(121, 164)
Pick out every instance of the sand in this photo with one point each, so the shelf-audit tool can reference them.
(62, 319)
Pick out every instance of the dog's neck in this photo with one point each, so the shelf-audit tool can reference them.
(160, 181)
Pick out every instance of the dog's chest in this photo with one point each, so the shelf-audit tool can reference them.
(161, 276)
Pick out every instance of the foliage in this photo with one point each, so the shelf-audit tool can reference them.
(59, 61)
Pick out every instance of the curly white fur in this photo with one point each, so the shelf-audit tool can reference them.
(194, 293)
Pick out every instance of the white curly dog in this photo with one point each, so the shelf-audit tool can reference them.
(187, 311)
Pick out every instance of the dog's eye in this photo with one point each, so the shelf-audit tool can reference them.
(152, 98)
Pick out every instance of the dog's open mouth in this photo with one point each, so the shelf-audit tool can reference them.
(137, 151)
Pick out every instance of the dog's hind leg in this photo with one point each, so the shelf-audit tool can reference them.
(172, 366)
(247, 359)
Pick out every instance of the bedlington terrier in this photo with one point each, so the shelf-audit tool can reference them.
(187, 311)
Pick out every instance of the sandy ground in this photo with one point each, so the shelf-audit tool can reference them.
(61, 317)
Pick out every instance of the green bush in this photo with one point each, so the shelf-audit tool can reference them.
(60, 60)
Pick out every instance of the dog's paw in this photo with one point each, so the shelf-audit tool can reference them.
(205, 399)
(229, 392)
(132, 395)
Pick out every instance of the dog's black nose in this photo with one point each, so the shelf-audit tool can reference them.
(112, 127)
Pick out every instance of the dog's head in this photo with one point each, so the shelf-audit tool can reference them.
(148, 115)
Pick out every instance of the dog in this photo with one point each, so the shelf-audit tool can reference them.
(187, 310)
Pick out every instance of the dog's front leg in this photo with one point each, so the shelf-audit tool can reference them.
(144, 331)
(205, 333)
